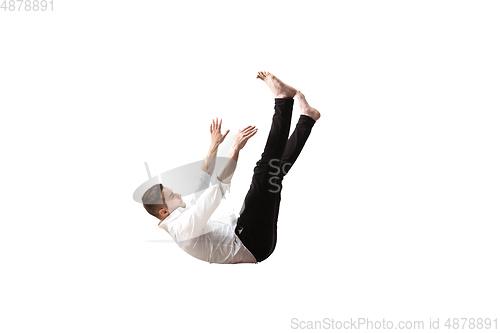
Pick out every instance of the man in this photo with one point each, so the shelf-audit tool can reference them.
(252, 237)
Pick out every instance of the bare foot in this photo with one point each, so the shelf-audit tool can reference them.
(306, 109)
(279, 89)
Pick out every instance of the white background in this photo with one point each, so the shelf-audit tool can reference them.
(391, 212)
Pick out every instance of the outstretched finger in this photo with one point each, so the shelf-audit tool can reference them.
(248, 128)
(250, 134)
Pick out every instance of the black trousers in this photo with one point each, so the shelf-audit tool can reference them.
(257, 224)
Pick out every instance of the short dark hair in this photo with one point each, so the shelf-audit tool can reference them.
(152, 200)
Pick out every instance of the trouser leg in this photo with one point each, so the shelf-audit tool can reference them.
(294, 146)
(259, 208)
(295, 143)
(259, 217)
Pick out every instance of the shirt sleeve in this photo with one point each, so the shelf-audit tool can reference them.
(202, 181)
(199, 214)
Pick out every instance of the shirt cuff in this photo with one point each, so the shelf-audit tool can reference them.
(204, 176)
(225, 187)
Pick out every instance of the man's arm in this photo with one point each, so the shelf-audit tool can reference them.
(239, 142)
(216, 139)
(227, 172)
(192, 225)
(210, 199)
(209, 163)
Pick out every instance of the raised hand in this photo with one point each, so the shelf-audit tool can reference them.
(242, 137)
(217, 137)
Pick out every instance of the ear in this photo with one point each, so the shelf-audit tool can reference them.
(164, 211)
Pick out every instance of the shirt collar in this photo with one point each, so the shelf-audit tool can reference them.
(175, 214)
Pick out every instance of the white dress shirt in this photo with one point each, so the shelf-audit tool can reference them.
(193, 229)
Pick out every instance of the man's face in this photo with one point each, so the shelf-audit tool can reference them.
(173, 200)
